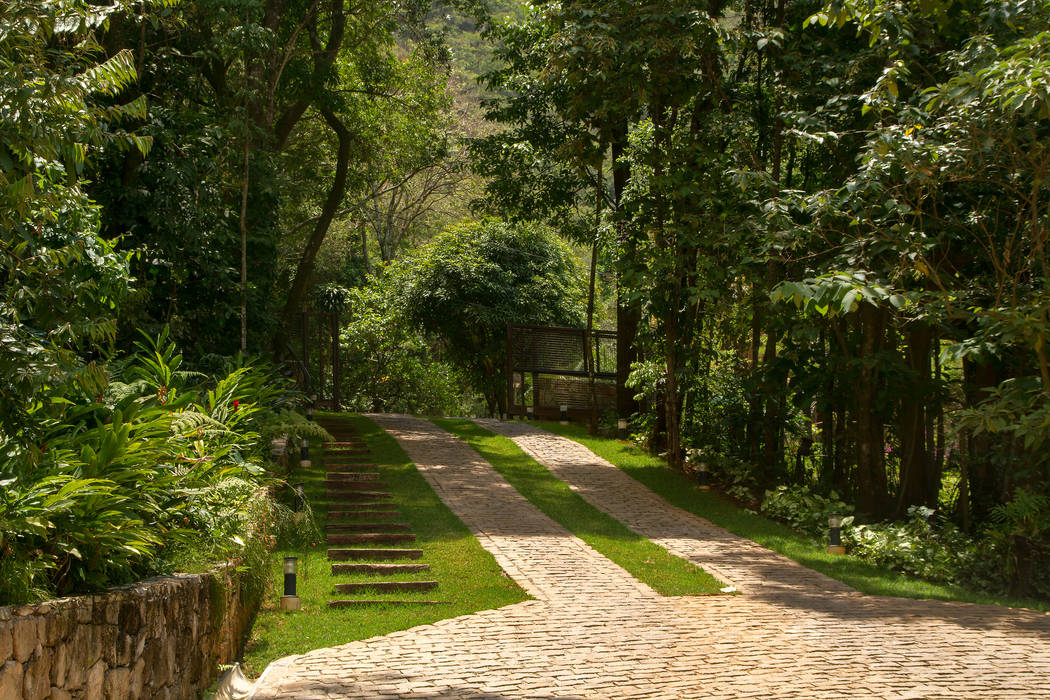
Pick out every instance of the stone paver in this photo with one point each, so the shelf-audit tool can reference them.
(733, 559)
(594, 632)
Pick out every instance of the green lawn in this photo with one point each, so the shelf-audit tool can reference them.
(680, 490)
(469, 578)
(648, 562)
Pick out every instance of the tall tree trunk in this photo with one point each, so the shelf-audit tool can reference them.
(628, 314)
(672, 403)
(754, 399)
(871, 465)
(916, 464)
(304, 271)
(599, 198)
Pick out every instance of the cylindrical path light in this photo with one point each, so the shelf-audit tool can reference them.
(702, 476)
(564, 414)
(290, 601)
(621, 428)
(835, 534)
(304, 453)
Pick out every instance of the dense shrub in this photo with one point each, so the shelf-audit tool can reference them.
(924, 546)
(805, 510)
(929, 546)
(161, 466)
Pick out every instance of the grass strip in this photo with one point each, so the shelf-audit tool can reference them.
(469, 579)
(653, 565)
(680, 490)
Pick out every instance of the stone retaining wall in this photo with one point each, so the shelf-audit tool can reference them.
(160, 639)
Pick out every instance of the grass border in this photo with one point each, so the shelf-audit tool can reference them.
(679, 490)
(469, 578)
(650, 563)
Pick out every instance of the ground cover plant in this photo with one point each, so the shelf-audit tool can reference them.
(647, 562)
(153, 469)
(469, 578)
(681, 490)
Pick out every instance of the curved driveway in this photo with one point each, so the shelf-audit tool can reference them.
(595, 632)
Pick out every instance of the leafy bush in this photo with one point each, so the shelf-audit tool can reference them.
(124, 482)
(389, 366)
(923, 546)
(804, 510)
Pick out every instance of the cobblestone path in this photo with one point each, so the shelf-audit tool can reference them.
(595, 632)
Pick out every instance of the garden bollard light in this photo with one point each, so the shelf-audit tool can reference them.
(300, 498)
(310, 412)
(290, 601)
(701, 476)
(621, 428)
(529, 413)
(304, 454)
(564, 414)
(835, 534)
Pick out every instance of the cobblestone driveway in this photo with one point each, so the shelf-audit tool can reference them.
(595, 632)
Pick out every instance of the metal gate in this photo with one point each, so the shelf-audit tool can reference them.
(549, 367)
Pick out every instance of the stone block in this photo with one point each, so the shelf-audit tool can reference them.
(125, 645)
(95, 677)
(113, 604)
(105, 640)
(11, 680)
(25, 637)
(36, 682)
(56, 628)
(151, 657)
(6, 642)
(82, 655)
(117, 683)
(129, 618)
(60, 665)
(85, 610)
(137, 685)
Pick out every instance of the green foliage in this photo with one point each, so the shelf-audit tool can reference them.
(804, 510)
(927, 547)
(59, 280)
(468, 283)
(389, 366)
(122, 483)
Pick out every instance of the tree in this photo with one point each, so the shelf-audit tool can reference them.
(59, 279)
(468, 283)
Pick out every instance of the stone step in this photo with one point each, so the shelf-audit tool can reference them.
(376, 517)
(347, 554)
(371, 538)
(345, 451)
(351, 496)
(356, 603)
(354, 485)
(354, 476)
(361, 507)
(386, 586)
(363, 516)
(369, 527)
(384, 569)
(337, 464)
